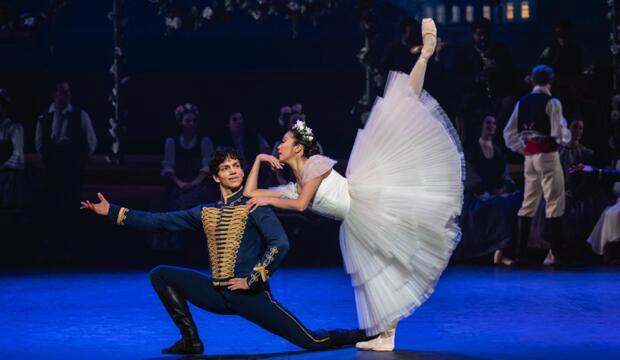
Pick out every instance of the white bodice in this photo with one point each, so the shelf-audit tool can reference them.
(332, 197)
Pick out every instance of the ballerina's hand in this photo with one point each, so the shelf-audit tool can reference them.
(580, 168)
(101, 208)
(255, 202)
(272, 161)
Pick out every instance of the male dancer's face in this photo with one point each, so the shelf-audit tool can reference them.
(62, 97)
(229, 175)
(480, 37)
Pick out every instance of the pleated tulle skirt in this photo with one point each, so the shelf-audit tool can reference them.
(405, 179)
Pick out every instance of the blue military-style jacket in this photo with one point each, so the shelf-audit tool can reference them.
(241, 244)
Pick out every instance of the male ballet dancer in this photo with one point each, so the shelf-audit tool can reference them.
(239, 270)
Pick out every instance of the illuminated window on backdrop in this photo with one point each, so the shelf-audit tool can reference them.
(456, 14)
(441, 14)
(510, 11)
(525, 10)
(469, 13)
(486, 12)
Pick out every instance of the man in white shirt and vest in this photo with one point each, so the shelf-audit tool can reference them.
(65, 139)
(537, 129)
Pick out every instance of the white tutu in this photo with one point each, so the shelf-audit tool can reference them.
(405, 178)
(399, 203)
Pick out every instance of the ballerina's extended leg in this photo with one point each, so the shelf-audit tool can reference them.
(429, 39)
(386, 340)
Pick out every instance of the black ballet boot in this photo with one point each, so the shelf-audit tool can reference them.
(524, 225)
(179, 312)
(341, 337)
(557, 243)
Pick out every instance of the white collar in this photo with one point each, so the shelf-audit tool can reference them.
(540, 90)
(69, 108)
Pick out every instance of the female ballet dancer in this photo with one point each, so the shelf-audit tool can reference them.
(398, 204)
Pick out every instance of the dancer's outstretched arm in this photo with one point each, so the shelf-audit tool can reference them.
(182, 220)
(251, 184)
(429, 39)
(300, 204)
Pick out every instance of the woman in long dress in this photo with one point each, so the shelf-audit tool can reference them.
(398, 204)
(14, 189)
(491, 199)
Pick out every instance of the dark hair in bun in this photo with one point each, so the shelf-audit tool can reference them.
(303, 136)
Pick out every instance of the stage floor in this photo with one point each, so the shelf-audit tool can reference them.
(475, 313)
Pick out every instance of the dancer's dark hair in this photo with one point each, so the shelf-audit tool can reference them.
(542, 75)
(311, 147)
(220, 156)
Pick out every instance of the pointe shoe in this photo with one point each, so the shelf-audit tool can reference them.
(384, 342)
(429, 38)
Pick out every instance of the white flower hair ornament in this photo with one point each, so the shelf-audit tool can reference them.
(181, 110)
(302, 129)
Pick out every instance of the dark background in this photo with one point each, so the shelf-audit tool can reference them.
(241, 64)
(255, 66)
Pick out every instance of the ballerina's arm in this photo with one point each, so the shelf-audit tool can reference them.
(429, 38)
(416, 76)
(251, 184)
(300, 204)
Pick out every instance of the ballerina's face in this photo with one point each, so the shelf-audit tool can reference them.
(287, 149)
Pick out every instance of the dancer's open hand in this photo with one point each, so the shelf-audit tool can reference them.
(255, 202)
(238, 284)
(273, 161)
(101, 208)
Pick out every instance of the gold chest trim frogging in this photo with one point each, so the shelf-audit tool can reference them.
(224, 228)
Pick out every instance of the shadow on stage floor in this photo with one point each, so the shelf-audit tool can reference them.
(329, 354)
